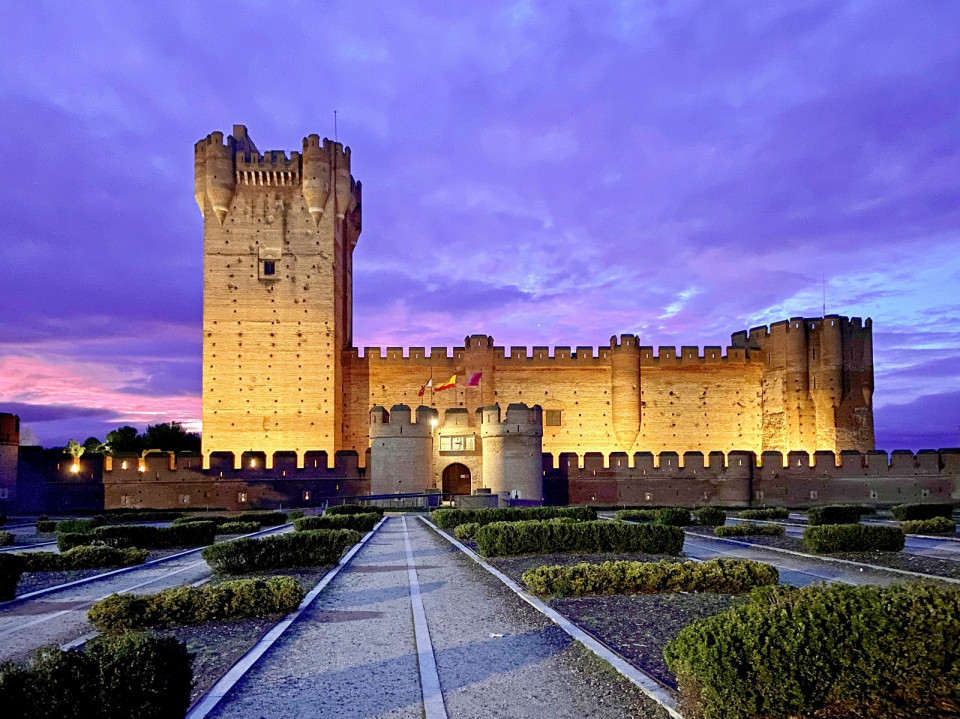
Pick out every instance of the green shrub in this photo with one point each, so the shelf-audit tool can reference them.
(834, 514)
(906, 512)
(465, 532)
(853, 538)
(46, 526)
(866, 650)
(11, 567)
(115, 678)
(264, 519)
(362, 523)
(450, 518)
(217, 519)
(295, 514)
(142, 516)
(83, 557)
(121, 536)
(299, 549)
(235, 599)
(724, 576)
(354, 509)
(539, 537)
(637, 515)
(936, 525)
(710, 516)
(78, 526)
(766, 513)
(6, 539)
(745, 529)
(238, 528)
(673, 516)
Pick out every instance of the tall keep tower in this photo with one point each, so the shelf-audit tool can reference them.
(278, 240)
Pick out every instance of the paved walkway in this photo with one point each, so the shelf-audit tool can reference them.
(353, 653)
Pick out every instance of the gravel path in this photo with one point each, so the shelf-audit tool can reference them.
(353, 654)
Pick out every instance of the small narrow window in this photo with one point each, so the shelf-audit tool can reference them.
(553, 418)
(242, 497)
(269, 268)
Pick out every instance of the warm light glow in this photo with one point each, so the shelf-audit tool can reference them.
(123, 464)
(141, 468)
(253, 464)
(74, 467)
(433, 422)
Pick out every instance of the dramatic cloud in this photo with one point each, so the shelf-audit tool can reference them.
(547, 173)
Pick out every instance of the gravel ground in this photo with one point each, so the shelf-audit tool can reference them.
(32, 581)
(217, 646)
(893, 560)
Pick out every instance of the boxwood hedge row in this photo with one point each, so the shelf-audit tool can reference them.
(133, 675)
(936, 525)
(360, 522)
(710, 516)
(85, 557)
(235, 599)
(853, 538)
(354, 509)
(121, 536)
(864, 650)
(746, 529)
(450, 518)
(637, 515)
(46, 526)
(262, 519)
(539, 537)
(465, 532)
(238, 528)
(725, 576)
(905, 512)
(766, 513)
(299, 549)
(834, 514)
(6, 539)
(79, 526)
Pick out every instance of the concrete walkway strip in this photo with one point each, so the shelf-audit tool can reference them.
(837, 560)
(433, 707)
(125, 570)
(215, 695)
(643, 681)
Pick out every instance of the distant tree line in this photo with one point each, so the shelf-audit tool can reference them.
(167, 437)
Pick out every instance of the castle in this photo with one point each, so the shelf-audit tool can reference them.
(281, 374)
(293, 413)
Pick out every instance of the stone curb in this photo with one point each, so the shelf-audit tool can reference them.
(208, 702)
(636, 676)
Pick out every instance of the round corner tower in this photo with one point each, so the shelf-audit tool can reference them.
(401, 449)
(513, 450)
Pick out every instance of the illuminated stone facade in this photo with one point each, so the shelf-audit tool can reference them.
(281, 374)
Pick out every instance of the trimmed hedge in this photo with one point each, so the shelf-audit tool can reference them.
(137, 515)
(299, 549)
(295, 514)
(121, 536)
(936, 525)
(78, 526)
(834, 514)
(11, 567)
(354, 509)
(238, 528)
(673, 516)
(766, 513)
(537, 537)
(450, 518)
(637, 515)
(745, 529)
(134, 675)
(6, 539)
(46, 526)
(84, 557)
(868, 650)
(721, 576)
(240, 598)
(853, 538)
(710, 516)
(362, 523)
(262, 519)
(906, 512)
(465, 532)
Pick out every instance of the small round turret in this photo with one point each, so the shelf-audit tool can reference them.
(315, 176)
(221, 180)
(513, 451)
(625, 389)
(401, 449)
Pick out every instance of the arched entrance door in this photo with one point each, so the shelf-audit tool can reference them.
(456, 479)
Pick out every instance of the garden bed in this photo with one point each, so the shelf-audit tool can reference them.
(34, 581)
(217, 646)
(892, 560)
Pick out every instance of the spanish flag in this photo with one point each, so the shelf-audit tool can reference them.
(452, 382)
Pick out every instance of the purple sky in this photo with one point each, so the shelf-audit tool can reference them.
(548, 173)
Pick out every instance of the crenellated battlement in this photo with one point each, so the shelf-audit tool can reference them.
(755, 337)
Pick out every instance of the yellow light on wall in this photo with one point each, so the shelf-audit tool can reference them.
(253, 464)
(433, 422)
(123, 464)
(74, 467)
